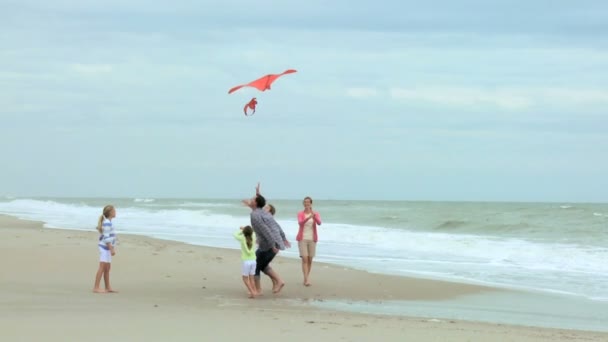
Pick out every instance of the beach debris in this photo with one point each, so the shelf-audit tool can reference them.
(262, 84)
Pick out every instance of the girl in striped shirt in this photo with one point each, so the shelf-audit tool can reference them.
(106, 243)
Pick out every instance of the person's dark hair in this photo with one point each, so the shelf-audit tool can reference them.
(248, 233)
(260, 201)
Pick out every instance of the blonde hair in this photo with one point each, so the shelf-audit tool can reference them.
(106, 212)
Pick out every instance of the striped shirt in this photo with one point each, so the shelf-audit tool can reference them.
(107, 234)
(267, 230)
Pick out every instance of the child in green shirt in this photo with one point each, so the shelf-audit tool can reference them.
(246, 237)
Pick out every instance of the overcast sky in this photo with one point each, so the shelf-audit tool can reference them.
(436, 100)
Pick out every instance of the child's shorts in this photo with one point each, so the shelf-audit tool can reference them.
(104, 255)
(248, 267)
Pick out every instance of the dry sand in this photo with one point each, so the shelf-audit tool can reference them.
(175, 291)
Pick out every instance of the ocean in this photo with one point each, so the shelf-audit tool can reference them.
(555, 248)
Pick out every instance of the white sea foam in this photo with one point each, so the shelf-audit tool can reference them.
(144, 200)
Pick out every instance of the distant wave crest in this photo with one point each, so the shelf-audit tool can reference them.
(143, 200)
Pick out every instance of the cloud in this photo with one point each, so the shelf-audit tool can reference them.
(510, 98)
(461, 96)
(92, 68)
(559, 16)
(573, 96)
(520, 89)
(361, 92)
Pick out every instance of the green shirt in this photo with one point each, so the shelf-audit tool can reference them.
(246, 253)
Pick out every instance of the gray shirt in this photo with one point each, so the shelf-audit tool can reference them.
(268, 232)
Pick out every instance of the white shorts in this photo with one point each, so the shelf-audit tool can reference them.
(248, 268)
(105, 255)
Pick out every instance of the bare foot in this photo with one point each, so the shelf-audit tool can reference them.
(307, 283)
(251, 295)
(99, 291)
(277, 290)
(111, 291)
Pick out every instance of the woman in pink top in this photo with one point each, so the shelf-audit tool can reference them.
(307, 237)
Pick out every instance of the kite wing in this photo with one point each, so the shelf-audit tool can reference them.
(262, 83)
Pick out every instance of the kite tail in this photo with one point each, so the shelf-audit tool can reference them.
(245, 110)
(251, 104)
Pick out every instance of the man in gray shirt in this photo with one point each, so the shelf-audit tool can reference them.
(271, 239)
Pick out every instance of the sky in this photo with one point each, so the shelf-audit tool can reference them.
(470, 100)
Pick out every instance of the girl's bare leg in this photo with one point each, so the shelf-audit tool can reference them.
(250, 289)
(100, 272)
(252, 285)
(106, 278)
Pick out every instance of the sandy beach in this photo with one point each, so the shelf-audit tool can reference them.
(191, 293)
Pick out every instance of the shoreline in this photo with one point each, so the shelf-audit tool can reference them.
(53, 268)
(406, 241)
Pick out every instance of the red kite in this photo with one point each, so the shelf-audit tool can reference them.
(262, 83)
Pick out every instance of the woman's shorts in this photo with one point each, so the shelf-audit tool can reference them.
(308, 248)
(104, 255)
(248, 268)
